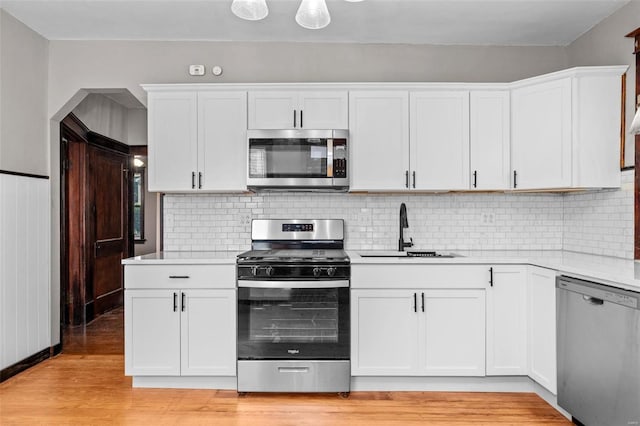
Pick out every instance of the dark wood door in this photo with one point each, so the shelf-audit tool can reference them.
(108, 230)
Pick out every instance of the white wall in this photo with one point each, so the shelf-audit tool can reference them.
(24, 268)
(606, 44)
(24, 144)
(104, 116)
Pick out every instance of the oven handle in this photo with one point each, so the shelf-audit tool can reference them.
(293, 284)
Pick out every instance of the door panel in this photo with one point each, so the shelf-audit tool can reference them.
(273, 110)
(108, 230)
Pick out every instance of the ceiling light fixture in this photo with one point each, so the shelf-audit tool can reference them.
(251, 10)
(313, 14)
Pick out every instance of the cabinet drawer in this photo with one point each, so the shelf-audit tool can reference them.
(392, 276)
(179, 276)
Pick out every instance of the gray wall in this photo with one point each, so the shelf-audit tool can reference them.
(126, 64)
(605, 44)
(103, 116)
(24, 144)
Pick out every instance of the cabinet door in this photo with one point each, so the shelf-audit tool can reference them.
(379, 140)
(542, 326)
(151, 333)
(273, 110)
(507, 321)
(453, 333)
(208, 324)
(541, 135)
(173, 141)
(222, 141)
(384, 333)
(489, 139)
(439, 148)
(324, 110)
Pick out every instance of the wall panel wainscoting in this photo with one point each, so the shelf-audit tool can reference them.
(24, 271)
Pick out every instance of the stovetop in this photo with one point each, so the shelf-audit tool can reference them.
(294, 256)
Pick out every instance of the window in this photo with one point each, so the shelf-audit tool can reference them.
(138, 198)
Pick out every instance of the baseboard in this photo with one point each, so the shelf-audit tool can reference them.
(26, 363)
(56, 349)
(185, 382)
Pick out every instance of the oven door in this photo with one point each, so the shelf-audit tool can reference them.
(293, 320)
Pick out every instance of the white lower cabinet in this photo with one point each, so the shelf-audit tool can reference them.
(542, 326)
(188, 332)
(428, 332)
(507, 320)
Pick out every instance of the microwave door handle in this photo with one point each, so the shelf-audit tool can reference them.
(330, 158)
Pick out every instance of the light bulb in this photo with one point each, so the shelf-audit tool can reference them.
(313, 14)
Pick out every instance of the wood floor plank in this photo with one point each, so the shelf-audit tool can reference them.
(86, 386)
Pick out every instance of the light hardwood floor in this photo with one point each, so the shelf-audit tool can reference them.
(85, 385)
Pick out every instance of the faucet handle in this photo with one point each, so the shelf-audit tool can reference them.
(410, 243)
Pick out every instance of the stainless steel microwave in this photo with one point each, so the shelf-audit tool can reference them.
(298, 160)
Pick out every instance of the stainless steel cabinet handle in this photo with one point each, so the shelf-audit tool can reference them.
(301, 125)
(415, 302)
(294, 118)
(422, 302)
(414, 178)
(183, 304)
(406, 178)
(175, 302)
(193, 180)
(515, 179)
(179, 276)
(491, 276)
(199, 180)
(475, 178)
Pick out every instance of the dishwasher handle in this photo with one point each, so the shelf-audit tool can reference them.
(592, 300)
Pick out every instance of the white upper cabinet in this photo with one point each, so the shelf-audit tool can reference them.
(298, 110)
(439, 149)
(379, 140)
(173, 140)
(541, 144)
(197, 141)
(566, 129)
(489, 139)
(222, 141)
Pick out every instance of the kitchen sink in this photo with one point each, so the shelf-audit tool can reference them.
(408, 254)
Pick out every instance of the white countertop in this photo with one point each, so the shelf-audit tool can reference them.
(622, 273)
(185, 258)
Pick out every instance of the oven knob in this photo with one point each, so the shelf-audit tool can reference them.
(268, 270)
(317, 272)
(331, 271)
(254, 270)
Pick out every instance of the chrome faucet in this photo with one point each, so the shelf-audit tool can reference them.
(404, 223)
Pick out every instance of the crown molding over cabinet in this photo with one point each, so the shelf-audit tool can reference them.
(559, 131)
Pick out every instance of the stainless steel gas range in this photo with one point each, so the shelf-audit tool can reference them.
(293, 308)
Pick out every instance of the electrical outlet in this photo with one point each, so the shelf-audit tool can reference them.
(245, 219)
(488, 218)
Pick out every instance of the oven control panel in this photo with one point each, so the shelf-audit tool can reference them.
(297, 227)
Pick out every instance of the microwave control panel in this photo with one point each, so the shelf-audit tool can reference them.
(339, 158)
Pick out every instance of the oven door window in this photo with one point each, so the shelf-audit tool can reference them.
(287, 158)
(293, 323)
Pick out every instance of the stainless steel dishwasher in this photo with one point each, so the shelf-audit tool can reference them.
(598, 352)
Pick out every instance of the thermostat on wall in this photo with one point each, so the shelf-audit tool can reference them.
(196, 69)
(216, 70)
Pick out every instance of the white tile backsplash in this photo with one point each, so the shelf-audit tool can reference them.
(599, 222)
